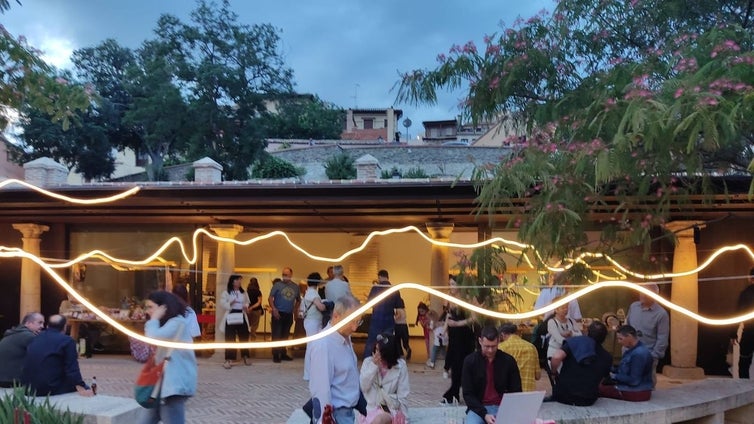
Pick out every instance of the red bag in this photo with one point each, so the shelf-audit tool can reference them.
(149, 383)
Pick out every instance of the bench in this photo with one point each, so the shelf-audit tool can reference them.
(100, 409)
(709, 401)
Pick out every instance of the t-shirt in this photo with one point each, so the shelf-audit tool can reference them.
(254, 295)
(284, 295)
(579, 382)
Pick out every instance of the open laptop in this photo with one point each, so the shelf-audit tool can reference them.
(519, 408)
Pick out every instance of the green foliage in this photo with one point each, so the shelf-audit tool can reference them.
(274, 167)
(41, 412)
(392, 172)
(416, 172)
(305, 117)
(482, 273)
(340, 167)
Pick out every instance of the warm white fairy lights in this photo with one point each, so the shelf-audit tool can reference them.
(130, 192)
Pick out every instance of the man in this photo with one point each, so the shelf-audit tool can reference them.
(487, 375)
(284, 299)
(51, 366)
(632, 381)
(383, 314)
(337, 287)
(584, 364)
(652, 326)
(13, 347)
(524, 353)
(746, 343)
(334, 380)
(555, 288)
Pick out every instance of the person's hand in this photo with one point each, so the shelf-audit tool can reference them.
(159, 312)
(399, 418)
(84, 392)
(376, 357)
(275, 313)
(489, 419)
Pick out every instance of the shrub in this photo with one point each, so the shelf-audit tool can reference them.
(273, 167)
(41, 412)
(415, 173)
(393, 172)
(340, 167)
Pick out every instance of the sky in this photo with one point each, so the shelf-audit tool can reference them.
(348, 52)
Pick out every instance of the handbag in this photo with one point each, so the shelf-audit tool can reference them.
(149, 381)
(234, 318)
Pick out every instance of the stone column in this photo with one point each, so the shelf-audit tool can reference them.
(440, 230)
(226, 263)
(685, 292)
(31, 283)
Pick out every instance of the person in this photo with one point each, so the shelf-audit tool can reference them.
(51, 366)
(652, 325)
(191, 319)
(235, 301)
(384, 382)
(313, 308)
(401, 328)
(13, 347)
(423, 320)
(632, 380)
(283, 300)
(460, 343)
(255, 307)
(167, 321)
(744, 305)
(334, 376)
(88, 331)
(583, 363)
(554, 290)
(337, 286)
(559, 328)
(524, 353)
(487, 375)
(383, 314)
(439, 338)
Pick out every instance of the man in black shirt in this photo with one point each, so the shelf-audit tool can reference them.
(745, 305)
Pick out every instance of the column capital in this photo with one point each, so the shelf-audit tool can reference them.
(227, 230)
(440, 229)
(684, 228)
(29, 230)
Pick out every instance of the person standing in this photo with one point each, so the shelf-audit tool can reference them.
(235, 301)
(745, 305)
(487, 375)
(633, 377)
(13, 347)
(255, 307)
(334, 381)
(51, 366)
(423, 320)
(460, 343)
(313, 308)
(401, 328)
(167, 321)
(337, 286)
(524, 353)
(383, 314)
(652, 326)
(283, 300)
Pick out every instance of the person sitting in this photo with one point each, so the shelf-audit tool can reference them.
(632, 380)
(51, 366)
(487, 375)
(583, 363)
(13, 347)
(524, 353)
(384, 382)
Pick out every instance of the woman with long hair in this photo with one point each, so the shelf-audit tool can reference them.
(235, 301)
(255, 307)
(384, 382)
(461, 342)
(167, 321)
(313, 308)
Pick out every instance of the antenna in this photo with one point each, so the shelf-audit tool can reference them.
(356, 95)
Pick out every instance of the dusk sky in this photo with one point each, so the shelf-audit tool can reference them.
(348, 52)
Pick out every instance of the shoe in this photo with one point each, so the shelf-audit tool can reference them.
(430, 364)
(276, 359)
(246, 361)
(227, 365)
(445, 375)
(286, 358)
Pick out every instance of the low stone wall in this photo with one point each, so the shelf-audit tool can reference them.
(100, 409)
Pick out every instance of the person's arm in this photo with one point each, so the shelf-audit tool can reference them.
(473, 401)
(663, 334)
(225, 300)
(557, 359)
(71, 369)
(404, 389)
(271, 301)
(576, 327)
(318, 304)
(320, 377)
(246, 301)
(368, 375)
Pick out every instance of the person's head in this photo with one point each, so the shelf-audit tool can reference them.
(253, 284)
(645, 300)
(508, 329)
(488, 341)
(597, 331)
(626, 336)
(390, 350)
(287, 274)
(453, 284)
(34, 321)
(181, 291)
(234, 283)
(562, 310)
(383, 276)
(611, 320)
(313, 279)
(276, 280)
(345, 306)
(422, 308)
(330, 273)
(56, 323)
(174, 306)
(337, 271)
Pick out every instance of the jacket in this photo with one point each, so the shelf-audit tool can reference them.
(395, 386)
(51, 365)
(474, 379)
(180, 371)
(12, 353)
(225, 299)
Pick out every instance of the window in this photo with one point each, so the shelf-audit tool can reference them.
(368, 123)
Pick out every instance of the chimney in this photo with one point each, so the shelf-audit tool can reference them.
(367, 167)
(45, 172)
(207, 171)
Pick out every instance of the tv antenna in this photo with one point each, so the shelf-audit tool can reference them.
(356, 95)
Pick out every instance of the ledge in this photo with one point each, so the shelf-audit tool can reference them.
(99, 409)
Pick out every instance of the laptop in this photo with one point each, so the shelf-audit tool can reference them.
(519, 408)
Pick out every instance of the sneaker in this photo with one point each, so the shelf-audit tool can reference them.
(276, 359)
(227, 365)
(246, 361)
(430, 364)
(445, 375)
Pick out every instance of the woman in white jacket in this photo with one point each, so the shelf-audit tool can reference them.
(384, 381)
(235, 301)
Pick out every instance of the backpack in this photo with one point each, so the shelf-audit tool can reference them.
(540, 338)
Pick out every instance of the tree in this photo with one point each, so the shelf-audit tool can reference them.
(629, 106)
(306, 117)
(273, 167)
(340, 167)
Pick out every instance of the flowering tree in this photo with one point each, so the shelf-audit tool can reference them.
(627, 108)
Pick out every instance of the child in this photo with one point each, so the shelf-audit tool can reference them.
(440, 337)
(423, 319)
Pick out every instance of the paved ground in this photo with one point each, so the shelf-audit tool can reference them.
(263, 393)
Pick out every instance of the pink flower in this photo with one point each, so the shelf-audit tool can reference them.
(678, 93)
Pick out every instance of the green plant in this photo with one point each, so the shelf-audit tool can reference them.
(393, 172)
(340, 167)
(415, 173)
(273, 167)
(40, 412)
(483, 275)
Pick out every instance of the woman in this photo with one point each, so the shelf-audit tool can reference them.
(167, 321)
(235, 301)
(255, 308)
(384, 382)
(461, 342)
(313, 308)
(559, 328)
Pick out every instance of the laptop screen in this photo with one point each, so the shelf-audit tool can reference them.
(519, 408)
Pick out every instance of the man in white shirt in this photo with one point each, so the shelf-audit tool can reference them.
(337, 287)
(334, 376)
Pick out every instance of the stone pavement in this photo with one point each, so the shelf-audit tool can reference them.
(262, 393)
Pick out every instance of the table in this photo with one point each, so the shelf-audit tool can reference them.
(75, 323)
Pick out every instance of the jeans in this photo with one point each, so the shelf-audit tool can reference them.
(172, 410)
(344, 415)
(281, 329)
(433, 353)
(473, 418)
(231, 332)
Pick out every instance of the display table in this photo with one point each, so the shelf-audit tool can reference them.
(75, 323)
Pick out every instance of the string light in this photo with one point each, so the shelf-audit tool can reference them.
(95, 201)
